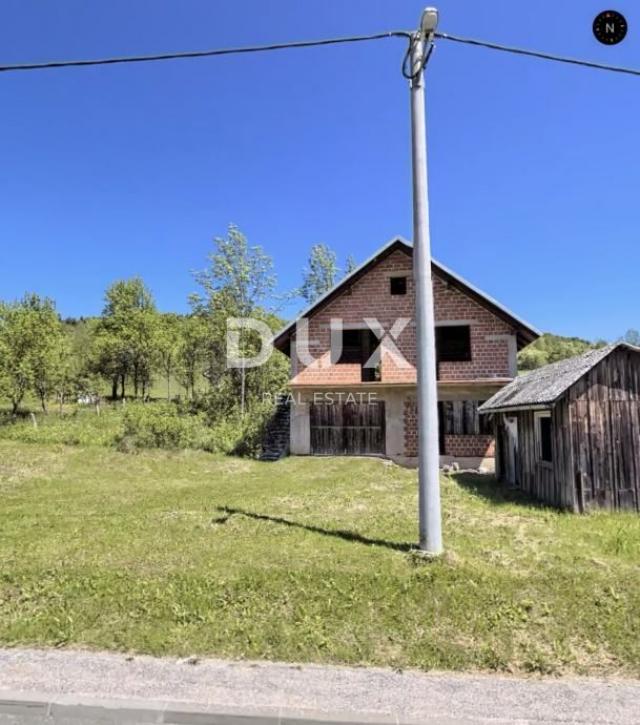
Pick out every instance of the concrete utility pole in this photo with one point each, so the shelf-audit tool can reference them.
(427, 393)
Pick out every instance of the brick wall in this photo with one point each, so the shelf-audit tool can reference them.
(482, 446)
(410, 428)
(462, 446)
(370, 297)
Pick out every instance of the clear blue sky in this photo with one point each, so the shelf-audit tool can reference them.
(115, 171)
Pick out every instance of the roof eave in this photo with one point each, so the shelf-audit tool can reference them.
(515, 408)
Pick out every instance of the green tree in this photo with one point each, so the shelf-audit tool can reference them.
(64, 380)
(16, 339)
(48, 355)
(168, 345)
(552, 348)
(125, 344)
(320, 274)
(190, 352)
(632, 337)
(30, 332)
(239, 282)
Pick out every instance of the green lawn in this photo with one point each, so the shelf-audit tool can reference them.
(305, 560)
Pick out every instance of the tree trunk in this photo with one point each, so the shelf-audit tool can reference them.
(43, 403)
(122, 386)
(242, 388)
(114, 388)
(169, 386)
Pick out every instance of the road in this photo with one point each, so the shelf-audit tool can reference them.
(64, 687)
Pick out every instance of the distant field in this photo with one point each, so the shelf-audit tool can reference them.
(305, 560)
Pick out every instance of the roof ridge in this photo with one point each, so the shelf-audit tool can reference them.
(488, 301)
(546, 384)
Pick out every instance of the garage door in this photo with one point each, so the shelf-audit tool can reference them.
(348, 429)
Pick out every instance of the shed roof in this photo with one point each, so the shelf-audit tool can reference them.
(544, 386)
(525, 332)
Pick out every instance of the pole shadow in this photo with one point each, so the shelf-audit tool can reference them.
(344, 534)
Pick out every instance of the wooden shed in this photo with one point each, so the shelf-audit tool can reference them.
(568, 434)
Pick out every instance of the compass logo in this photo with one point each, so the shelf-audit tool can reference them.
(610, 27)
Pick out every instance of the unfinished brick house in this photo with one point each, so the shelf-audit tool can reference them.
(347, 403)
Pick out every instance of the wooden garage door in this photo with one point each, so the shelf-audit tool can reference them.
(348, 429)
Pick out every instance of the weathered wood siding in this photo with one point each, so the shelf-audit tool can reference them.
(605, 412)
(595, 442)
(460, 417)
(347, 429)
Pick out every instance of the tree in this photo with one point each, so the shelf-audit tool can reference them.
(320, 274)
(16, 374)
(190, 352)
(168, 345)
(48, 354)
(30, 332)
(632, 337)
(239, 282)
(126, 336)
(350, 264)
(64, 380)
(552, 348)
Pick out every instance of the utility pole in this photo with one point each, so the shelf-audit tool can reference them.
(427, 389)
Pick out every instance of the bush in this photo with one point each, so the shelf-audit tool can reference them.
(160, 425)
(146, 425)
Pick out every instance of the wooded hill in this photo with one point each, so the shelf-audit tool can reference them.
(550, 348)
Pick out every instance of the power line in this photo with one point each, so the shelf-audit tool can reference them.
(539, 54)
(310, 44)
(201, 53)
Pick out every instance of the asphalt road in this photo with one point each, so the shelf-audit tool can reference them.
(80, 687)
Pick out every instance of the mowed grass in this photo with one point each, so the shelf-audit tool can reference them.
(307, 559)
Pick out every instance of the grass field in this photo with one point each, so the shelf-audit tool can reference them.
(305, 560)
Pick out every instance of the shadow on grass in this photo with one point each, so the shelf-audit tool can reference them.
(489, 488)
(343, 534)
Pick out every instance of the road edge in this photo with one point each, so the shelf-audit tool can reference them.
(30, 706)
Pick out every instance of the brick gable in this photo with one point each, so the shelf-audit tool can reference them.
(370, 297)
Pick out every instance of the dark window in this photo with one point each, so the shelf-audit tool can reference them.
(357, 348)
(398, 285)
(546, 449)
(351, 346)
(453, 343)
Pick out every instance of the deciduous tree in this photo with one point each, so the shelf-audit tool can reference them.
(168, 345)
(30, 333)
(126, 335)
(319, 276)
(239, 282)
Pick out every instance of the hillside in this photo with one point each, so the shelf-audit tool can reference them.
(550, 348)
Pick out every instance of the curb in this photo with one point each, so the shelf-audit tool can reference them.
(31, 708)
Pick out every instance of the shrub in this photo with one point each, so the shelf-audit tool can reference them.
(146, 425)
(160, 425)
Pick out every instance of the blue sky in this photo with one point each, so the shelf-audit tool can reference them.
(115, 171)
